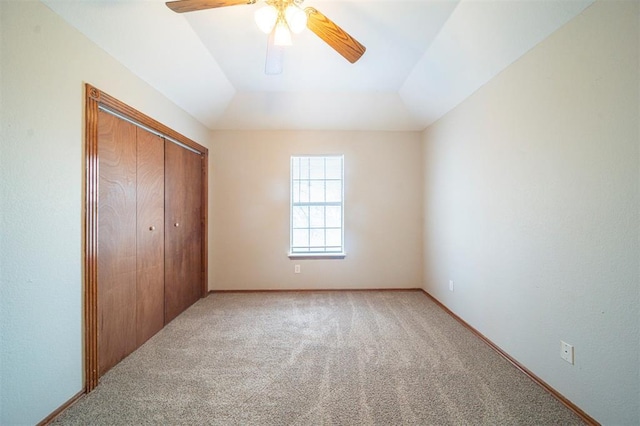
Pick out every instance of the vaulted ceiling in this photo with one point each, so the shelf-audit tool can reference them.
(423, 58)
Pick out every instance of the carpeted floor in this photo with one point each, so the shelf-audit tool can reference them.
(310, 358)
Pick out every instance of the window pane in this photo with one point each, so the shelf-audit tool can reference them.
(334, 216)
(300, 238)
(304, 168)
(317, 238)
(295, 191)
(317, 216)
(317, 191)
(334, 191)
(317, 167)
(334, 237)
(300, 217)
(303, 192)
(295, 168)
(334, 168)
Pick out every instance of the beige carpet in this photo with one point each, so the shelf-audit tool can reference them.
(311, 358)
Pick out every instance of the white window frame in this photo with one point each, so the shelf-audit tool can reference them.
(321, 252)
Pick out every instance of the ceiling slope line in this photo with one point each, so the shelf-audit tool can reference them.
(479, 41)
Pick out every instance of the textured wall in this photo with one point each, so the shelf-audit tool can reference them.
(249, 237)
(531, 207)
(44, 66)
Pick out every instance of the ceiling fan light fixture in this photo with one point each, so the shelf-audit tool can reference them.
(278, 18)
(296, 18)
(282, 36)
(266, 18)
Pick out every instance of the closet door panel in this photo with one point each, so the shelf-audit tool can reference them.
(194, 236)
(150, 235)
(183, 229)
(117, 240)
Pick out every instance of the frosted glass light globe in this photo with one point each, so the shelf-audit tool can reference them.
(282, 37)
(266, 18)
(296, 18)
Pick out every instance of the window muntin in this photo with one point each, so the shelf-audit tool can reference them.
(317, 208)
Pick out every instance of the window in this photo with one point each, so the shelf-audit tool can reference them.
(317, 213)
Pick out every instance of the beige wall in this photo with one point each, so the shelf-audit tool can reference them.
(44, 64)
(532, 208)
(249, 236)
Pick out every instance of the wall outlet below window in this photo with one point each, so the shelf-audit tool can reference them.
(566, 352)
(296, 269)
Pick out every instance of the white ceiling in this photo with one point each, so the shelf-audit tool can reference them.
(423, 58)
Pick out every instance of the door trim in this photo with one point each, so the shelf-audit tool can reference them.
(96, 99)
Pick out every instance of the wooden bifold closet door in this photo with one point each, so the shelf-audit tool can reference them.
(117, 240)
(150, 241)
(145, 229)
(183, 238)
(150, 212)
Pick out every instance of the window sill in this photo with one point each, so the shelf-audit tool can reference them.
(305, 256)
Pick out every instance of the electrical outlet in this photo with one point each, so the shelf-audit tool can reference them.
(296, 269)
(450, 285)
(566, 352)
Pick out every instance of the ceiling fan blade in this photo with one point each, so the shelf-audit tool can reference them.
(334, 36)
(181, 6)
(275, 56)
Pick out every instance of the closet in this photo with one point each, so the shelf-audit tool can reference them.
(150, 227)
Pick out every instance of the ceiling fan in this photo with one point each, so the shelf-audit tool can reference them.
(278, 19)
